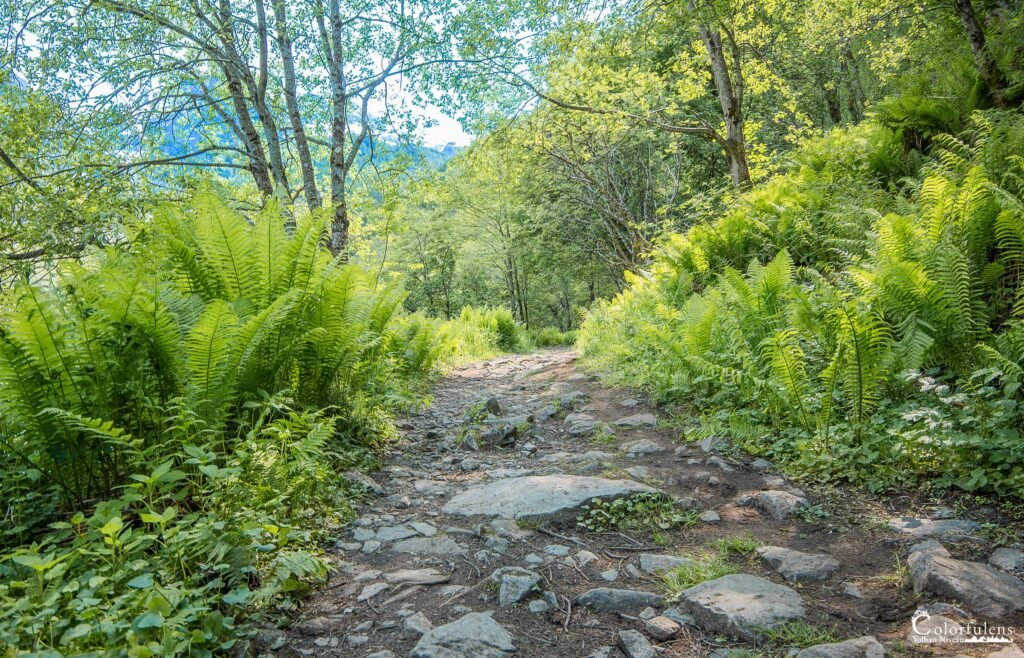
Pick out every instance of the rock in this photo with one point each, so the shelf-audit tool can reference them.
(556, 549)
(475, 635)
(371, 591)
(761, 465)
(394, 533)
(356, 641)
(501, 435)
(710, 516)
(923, 528)
(545, 412)
(638, 420)
(777, 504)
(441, 545)
(583, 427)
(571, 399)
(639, 472)
(629, 403)
(492, 406)
(363, 534)
(651, 563)
(679, 617)
(585, 557)
(1011, 651)
(852, 590)
(430, 487)
(371, 546)
(796, 566)
(985, 590)
(713, 444)
(539, 496)
(861, 647)
(1007, 559)
(469, 442)
(381, 654)
(509, 529)
(514, 583)
(469, 464)
(416, 577)
(601, 652)
(365, 481)
(741, 605)
(642, 447)
(424, 528)
(648, 613)
(607, 599)
(662, 628)
(720, 463)
(610, 575)
(635, 645)
(417, 623)
(538, 606)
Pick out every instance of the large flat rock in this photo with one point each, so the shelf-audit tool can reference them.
(742, 605)
(475, 635)
(538, 496)
(985, 590)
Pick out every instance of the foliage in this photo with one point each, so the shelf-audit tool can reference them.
(698, 569)
(799, 633)
(645, 512)
(244, 362)
(870, 336)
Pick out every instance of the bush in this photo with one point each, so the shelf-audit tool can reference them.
(552, 337)
(249, 366)
(847, 341)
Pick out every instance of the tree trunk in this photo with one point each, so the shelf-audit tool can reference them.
(284, 46)
(855, 99)
(258, 89)
(989, 72)
(253, 147)
(730, 96)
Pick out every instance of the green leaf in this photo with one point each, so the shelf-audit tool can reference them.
(149, 620)
(141, 582)
(237, 597)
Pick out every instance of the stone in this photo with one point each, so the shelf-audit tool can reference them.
(601, 652)
(416, 577)
(363, 534)
(1007, 559)
(476, 635)
(573, 398)
(424, 528)
(430, 487)
(381, 654)
(642, 447)
(514, 584)
(924, 528)
(417, 623)
(501, 435)
(712, 444)
(356, 641)
(607, 599)
(861, 647)
(364, 480)
(652, 563)
(371, 546)
(639, 472)
(610, 575)
(394, 533)
(629, 403)
(638, 420)
(538, 606)
(679, 617)
(533, 558)
(710, 516)
(585, 557)
(557, 550)
(779, 505)
(583, 427)
(761, 465)
(469, 464)
(741, 605)
(720, 463)
(509, 529)
(796, 566)
(984, 589)
(635, 645)
(492, 406)
(538, 496)
(852, 590)
(662, 628)
(371, 590)
(440, 545)
(545, 412)
(1011, 651)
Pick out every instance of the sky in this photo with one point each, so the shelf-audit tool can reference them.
(445, 131)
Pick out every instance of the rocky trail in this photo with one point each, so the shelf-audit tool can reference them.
(468, 545)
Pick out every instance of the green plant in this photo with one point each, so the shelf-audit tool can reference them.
(742, 545)
(699, 569)
(650, 512)
(799, 633)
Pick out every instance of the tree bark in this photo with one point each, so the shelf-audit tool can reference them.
(729, 85)
(988, 70)
(284, 46)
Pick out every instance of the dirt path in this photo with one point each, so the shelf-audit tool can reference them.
(424, 549)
